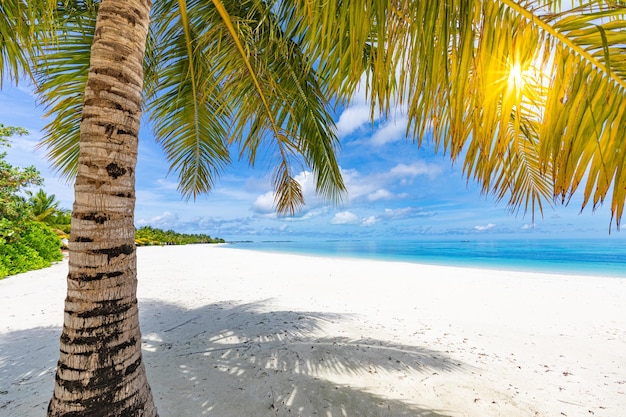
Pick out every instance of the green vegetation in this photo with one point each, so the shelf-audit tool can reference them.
(32, 246)
(45, 209)
(31, 228)
(25, 243)
(146, 236)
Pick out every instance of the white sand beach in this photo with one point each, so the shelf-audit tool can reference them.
(236, 333)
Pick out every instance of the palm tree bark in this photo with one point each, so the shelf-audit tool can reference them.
(100, 370)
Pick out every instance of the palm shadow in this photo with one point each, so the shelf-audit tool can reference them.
(230, 359)
(28, 360)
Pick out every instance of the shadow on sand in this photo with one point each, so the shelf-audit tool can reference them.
(230, 359)
(247, 360)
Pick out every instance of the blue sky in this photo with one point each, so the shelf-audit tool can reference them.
(395, 190)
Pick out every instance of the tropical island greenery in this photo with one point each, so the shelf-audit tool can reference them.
(27, 242)
(146, 235)
(34, 229)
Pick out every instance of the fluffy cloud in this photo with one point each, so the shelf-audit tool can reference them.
(264, 204)
(407, 212)
(358, 113)
(415, 169)
(392, 131)
(167, 185)
(345, 217)
(379, 186)
(306, 215)
(483, 228)
(380, 194)
(167, 220)
(352, 118)
(369, 221)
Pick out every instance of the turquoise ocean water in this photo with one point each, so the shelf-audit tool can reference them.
(602, 257)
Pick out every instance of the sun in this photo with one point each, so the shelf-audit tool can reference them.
(516, 80)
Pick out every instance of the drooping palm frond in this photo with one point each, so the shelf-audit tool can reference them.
(584, 129)
(215, 74)
(257, 67)
(449, 64)
(25, 27)
(231, 75)
(61, 75)
(283, 100)
(190, 120)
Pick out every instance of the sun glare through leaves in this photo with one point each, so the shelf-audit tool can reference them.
(516, 77)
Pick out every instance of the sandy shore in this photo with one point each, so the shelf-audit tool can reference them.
(229, 332)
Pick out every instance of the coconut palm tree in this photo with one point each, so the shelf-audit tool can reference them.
(221, 74)
(529, 96)
(44, 207)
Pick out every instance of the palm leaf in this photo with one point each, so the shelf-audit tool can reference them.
(448, 62)
(61, 75)
(243, 73)
(283, 101)
(189, 119)
(25, 28)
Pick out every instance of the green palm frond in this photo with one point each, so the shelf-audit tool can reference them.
(190, 120)
(216, 74)
(61, 77)
(44, 207)
(25, 28)
(230, 75)
(260, 74)
(280, 97)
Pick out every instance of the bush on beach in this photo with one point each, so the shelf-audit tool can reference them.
(25, 243)
(35, 246)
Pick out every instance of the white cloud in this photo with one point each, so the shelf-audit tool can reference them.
(528, 226)
(357, 185)
(345, 217)
(352, 119)
(314, 213)
(380, 194)
(392, 131)
(28, 143)
(167, 185)
(306, 180)
(264, 203)
(380, 186)
(399, 213)
(407, 212)
(309, 214)
(415, 169)
(369, 221)
(358, 113)
(167, 220)
(483, 228)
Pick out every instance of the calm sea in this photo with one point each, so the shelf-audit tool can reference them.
(586, 257)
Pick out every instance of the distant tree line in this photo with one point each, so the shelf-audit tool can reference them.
(146, 235)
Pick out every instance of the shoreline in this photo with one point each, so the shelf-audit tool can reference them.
(542, 267)
(232, 332)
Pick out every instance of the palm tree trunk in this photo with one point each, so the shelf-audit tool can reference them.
(100, 370)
